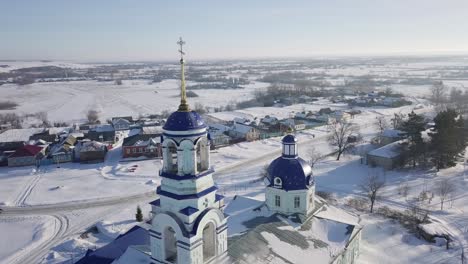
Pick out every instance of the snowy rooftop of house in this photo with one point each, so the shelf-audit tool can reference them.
(104, 128)
(23, 134)
(257, 235)
(92, 146)
(391, 150)
(152, 129)
(242, 128)
(393, 133)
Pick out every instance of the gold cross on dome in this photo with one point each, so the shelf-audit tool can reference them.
(181, 43)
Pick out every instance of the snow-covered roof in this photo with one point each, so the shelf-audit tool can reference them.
(103, 128)
(391, 150)
(273, 238)
(393, 133)
(92, 146)
(241, 128)
(152, 129)
(19, 134)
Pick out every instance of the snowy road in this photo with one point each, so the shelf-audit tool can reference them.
(63, 228)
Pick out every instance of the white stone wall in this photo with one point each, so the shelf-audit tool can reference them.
(187, 186)
(287, 205)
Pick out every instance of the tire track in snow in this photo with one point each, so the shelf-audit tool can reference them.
(24, 194)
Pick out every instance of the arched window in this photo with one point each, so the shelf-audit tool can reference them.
(209, 241)
(170, 157)
(202, 154)
(170, 245)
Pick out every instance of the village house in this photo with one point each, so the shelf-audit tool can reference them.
(217, 135)
(102, 133)
(390, 135)
(242, 131)
(90, 152)
(121, 124)
(388, 157)
(304, 115)
(151, 130)
(293, 124)
(26, 155)
(61, 154)
(10, 146)
(269, 120)
(139, 145)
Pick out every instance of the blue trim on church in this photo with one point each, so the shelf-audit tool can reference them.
(188, 211)
(218, 197)
(156, 202)
(185, 196)
(189, 135)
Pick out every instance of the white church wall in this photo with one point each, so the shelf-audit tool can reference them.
(187, 186)
(287, 200)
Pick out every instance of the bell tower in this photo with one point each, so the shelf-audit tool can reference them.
(188, 224)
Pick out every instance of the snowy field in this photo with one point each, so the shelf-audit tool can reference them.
(70, 101)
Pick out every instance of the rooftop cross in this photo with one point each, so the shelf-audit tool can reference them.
(181, 43)
(183, 95)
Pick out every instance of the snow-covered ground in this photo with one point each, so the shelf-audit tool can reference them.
(70, 101)
(21, 234)
(237, 169)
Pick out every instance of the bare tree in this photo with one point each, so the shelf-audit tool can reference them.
(381, 123)
(264, 171)
(444, 189)
(371, 186)
(397, 120)
(418, 211)
(42, 116)
(314, 156)
(438, 94)
(92, 116)
(11, 119)
(340, 133)
(199, 108)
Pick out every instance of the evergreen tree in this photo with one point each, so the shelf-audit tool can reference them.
(413, 127)
(448, 140)
(139, 215)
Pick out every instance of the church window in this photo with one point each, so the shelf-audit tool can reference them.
(277, 182)
(297, 201)
(277, 201)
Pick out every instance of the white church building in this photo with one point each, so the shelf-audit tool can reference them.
(189, 222)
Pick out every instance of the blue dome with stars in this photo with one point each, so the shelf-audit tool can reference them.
(184, 121)
(295, 174)
(289, 172)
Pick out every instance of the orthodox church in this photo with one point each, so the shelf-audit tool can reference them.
(192, 225)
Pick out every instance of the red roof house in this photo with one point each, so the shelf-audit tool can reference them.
(26, 155)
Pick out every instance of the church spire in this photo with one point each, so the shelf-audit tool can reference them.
(183, 95)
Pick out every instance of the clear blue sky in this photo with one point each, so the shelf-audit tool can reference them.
(113, 30)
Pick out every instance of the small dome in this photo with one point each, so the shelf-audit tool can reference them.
(295, 174)
(184, 121)
(289, 139)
